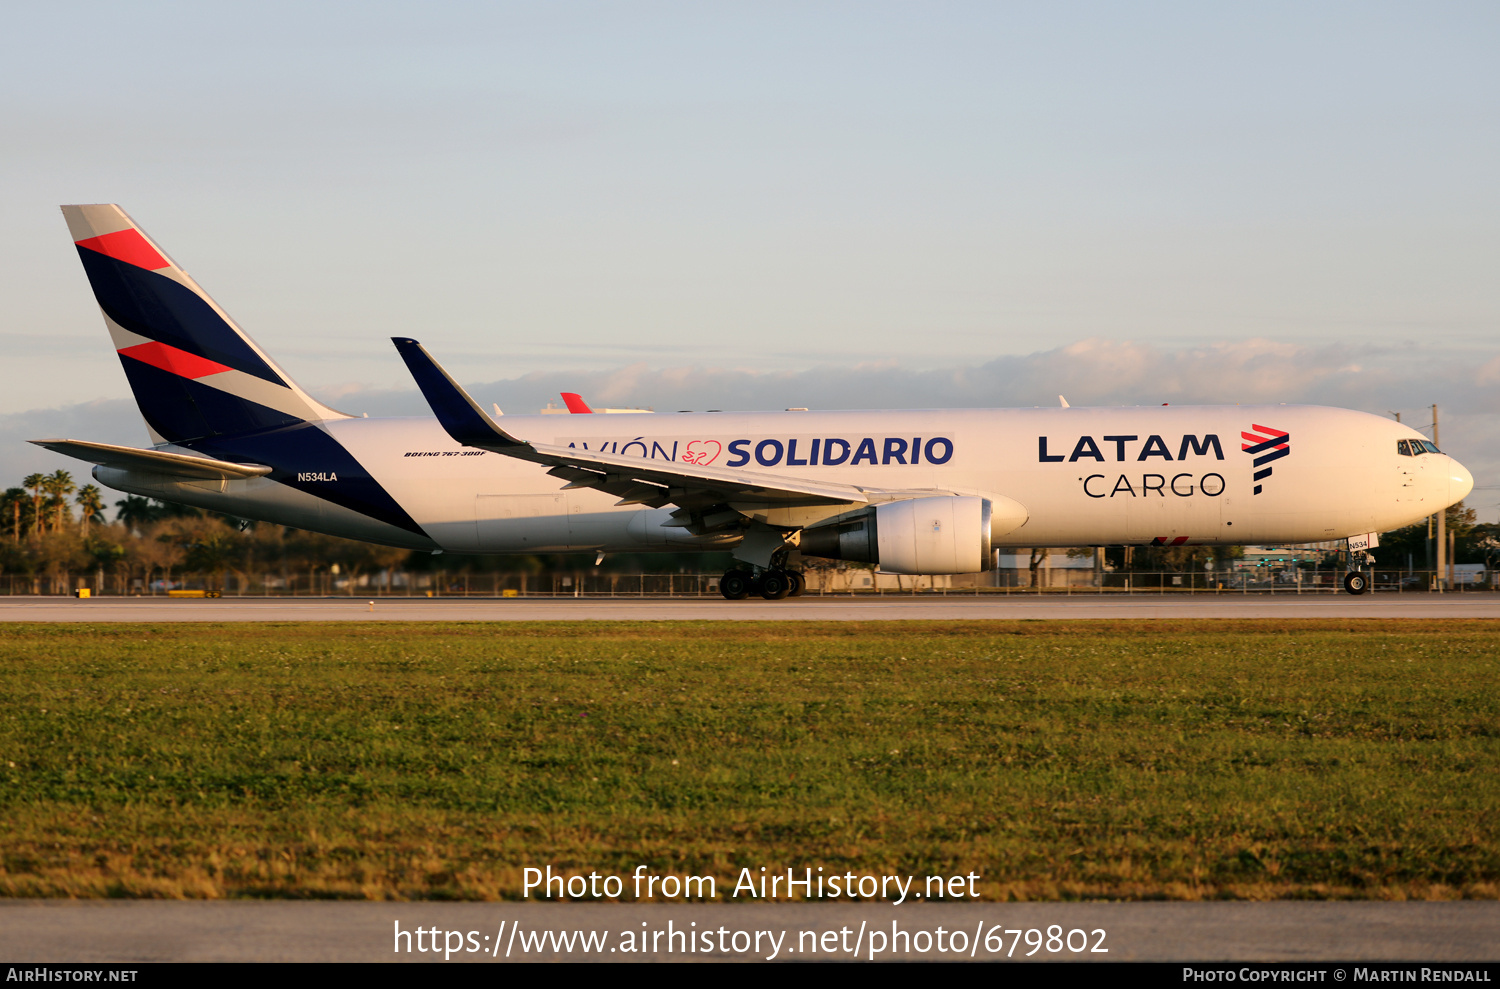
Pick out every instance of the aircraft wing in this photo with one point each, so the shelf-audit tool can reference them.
(635, 480)
(155, 461)
(641, 481)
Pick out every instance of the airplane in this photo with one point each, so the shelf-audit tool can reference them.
(574, 404)
(912, 492)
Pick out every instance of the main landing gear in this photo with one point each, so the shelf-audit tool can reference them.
(773, 585)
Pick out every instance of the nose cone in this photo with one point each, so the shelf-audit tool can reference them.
(1460, 481)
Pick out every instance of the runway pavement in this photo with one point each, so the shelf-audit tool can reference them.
(811, 608)
(301, 931)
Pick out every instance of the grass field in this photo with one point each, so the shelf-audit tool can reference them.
(1254, 760)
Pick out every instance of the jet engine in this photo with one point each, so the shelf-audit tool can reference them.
(938, 535)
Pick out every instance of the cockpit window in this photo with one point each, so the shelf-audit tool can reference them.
(1415, 448)
(1403, 447)
(1429, 446)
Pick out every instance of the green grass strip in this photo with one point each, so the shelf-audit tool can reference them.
(1060, 760)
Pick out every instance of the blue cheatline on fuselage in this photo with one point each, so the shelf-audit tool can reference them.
(304, 448)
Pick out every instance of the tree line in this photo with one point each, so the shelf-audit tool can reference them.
(52, 529)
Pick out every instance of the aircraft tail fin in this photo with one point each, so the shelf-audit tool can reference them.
(195, 374)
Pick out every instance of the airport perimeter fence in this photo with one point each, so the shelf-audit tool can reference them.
(847, 583)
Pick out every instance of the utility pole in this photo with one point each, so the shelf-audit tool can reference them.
(1442, 516)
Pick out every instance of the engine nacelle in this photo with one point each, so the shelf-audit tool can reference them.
(943, 534)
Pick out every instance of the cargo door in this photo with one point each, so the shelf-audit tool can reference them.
(1174, 507)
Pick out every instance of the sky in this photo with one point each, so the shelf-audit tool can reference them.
(757, 205)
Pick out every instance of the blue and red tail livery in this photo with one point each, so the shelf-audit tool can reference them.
(195, 373)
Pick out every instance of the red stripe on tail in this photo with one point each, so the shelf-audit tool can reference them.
(126, 245)
(179, 362)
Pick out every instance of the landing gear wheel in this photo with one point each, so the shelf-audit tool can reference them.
(775, 585)
(799, 583)
(735, 585)
(1356, 583)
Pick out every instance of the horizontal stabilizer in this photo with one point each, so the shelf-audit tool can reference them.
(155, 461)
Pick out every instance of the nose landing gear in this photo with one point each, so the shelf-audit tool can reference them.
(1357, 549)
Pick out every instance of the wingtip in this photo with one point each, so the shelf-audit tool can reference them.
(454, 408)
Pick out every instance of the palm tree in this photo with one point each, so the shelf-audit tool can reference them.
(35, 482)
(59, 484)
(134, 512)
(91, 502)
(14, 499)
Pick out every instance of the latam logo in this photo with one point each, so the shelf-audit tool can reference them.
(1124, 449)
(1267, 445)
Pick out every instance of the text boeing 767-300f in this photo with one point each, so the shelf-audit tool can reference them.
(916, 492)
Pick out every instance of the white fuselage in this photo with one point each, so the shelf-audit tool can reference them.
(1085, 476)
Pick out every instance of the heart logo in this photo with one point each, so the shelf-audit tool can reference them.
(702, 452)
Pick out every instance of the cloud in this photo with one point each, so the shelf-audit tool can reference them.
(1089, 372)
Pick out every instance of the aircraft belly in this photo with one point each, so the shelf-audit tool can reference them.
(522, 523)
(1153, 516)
(560, 523)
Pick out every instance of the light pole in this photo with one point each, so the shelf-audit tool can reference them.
(1442, 517)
